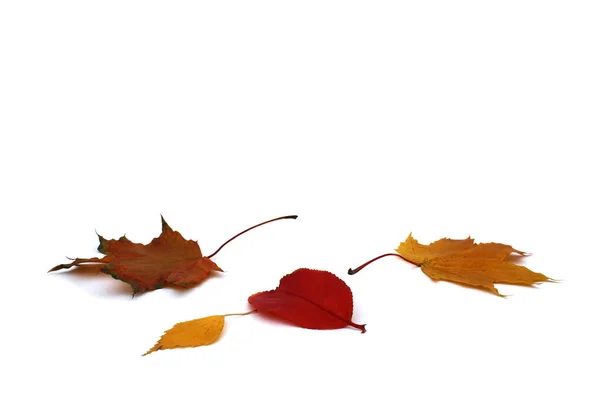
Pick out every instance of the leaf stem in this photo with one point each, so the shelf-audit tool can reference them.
(357, 269)
(252, 227)
(246, 313)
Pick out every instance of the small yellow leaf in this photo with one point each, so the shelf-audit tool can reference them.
(197, 332)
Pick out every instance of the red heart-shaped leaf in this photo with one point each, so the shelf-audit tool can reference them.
(310, 299)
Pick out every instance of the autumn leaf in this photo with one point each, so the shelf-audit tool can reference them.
(306, 298)
(198, 332)
(465, 262)
(168, 260)
(310, 299)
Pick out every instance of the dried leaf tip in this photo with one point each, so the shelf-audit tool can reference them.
(165, 226)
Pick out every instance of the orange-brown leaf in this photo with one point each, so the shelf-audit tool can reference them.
(168, 259)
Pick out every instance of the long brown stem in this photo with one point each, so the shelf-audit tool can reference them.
(252, 227)
(357, 269)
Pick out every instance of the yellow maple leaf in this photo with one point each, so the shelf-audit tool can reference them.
(465, 262)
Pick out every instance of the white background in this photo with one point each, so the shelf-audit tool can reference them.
(369, 119)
